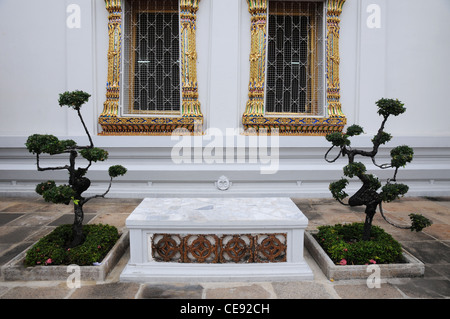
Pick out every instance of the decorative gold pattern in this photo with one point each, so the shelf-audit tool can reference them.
(191, 105)
(254, 117)
(190, 118)
(258, 12)
(228, 248)
(334, 10)
(111, 106)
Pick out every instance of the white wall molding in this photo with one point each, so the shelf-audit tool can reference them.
(302, 170)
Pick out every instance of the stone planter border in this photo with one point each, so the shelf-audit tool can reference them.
(15, 270)
(412, 267)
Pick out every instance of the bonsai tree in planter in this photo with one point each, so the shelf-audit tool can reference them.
(78, 183)
(369, 194)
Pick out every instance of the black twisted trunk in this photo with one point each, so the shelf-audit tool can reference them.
(77, 227)
(370, 212)
(79, 184)
(368, 197)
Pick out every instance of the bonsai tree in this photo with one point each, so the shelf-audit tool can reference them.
(369, 194)
(78, 183)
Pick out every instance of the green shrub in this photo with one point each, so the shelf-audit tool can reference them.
(401, 155)
(354, 169)
(419, 222)
(73, 99)
(344, 245)
(388, 107)
(116, 170)
(61, 194)
(78, 183)
(94, 154)
(337, 189)
(53, 248)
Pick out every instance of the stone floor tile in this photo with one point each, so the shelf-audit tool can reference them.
(54, 208)
(171, 291)
(300, 290)
(247, 291)
(437, 271)
(445, 202)
(425, 288)
(6, 218)
(15, 234)
(3, 290)
(47, 292)
(362, 291)
(6, 202)
(429, 252)
(23, 206)
(112, 205)
(434, 253)
(117, 220)
(439, 231)
(333, 209)
(12, 251)
(34, 219)
(401, 234)
(350, 217)
(417, 206)
(314, 217)
(68, 219)
(116, 290)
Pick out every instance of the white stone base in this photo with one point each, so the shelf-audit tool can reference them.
(257, 218)
(172, 272)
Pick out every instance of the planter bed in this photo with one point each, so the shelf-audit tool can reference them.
(411, 267)
(15, 270)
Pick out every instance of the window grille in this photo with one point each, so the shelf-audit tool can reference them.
(295, 58)
(151, 57)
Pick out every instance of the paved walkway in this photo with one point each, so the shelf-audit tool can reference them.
(24, 220)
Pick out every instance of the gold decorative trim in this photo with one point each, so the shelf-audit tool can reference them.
(190, 103)
(255, 104)
(190, 118)
(334, 10)
(254, 117)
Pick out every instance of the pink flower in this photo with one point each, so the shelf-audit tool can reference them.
(372, 261)
(99, 246)
(38, 262)
(48, 261)
(343, 262)
(345, 249)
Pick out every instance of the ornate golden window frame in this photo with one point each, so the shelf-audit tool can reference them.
(255, 117)
(190, 116)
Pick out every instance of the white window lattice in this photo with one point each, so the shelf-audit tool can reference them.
(151, 60)
(295, 57)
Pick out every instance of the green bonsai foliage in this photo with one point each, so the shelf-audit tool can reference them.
(77, 184)
(344, 245)
(372, 193)
(53, 249)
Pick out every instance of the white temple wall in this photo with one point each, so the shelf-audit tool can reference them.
(402, 55)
